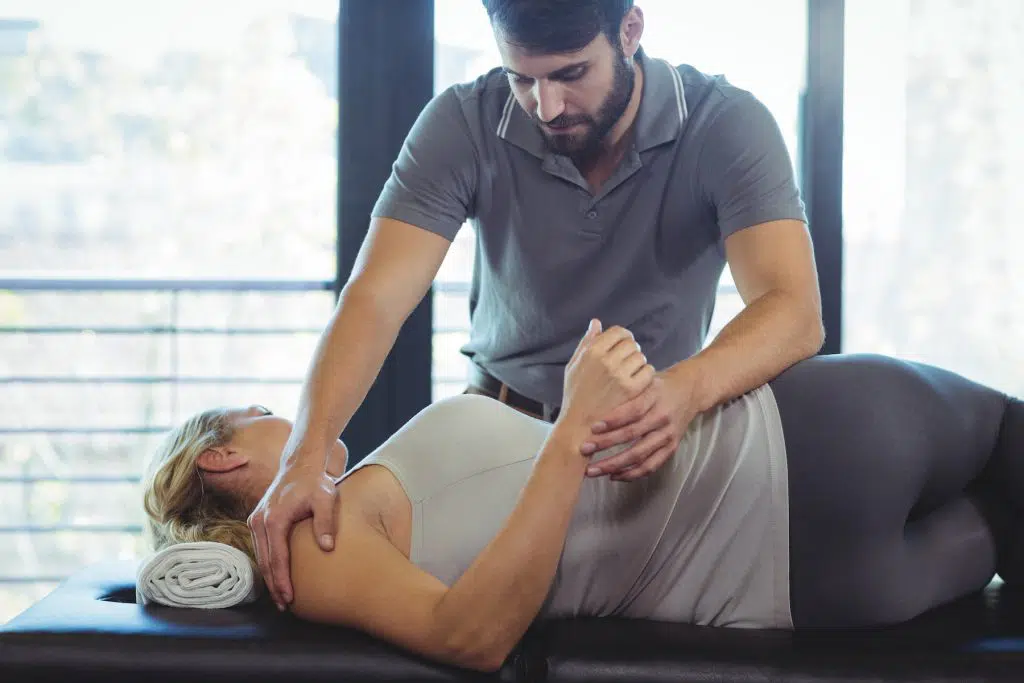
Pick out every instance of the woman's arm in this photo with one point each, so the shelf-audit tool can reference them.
(366, 583)
(369, 585)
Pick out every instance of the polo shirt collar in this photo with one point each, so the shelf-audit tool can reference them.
(659, 119)
(662, 110)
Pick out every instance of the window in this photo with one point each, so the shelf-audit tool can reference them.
(464, 49)
(933, 166)
(763, 50)
(169, 171)
(168, 139)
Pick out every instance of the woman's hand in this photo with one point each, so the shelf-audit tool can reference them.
(606, 370)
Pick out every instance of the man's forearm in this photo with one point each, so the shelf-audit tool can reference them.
(345, 364)
(768, 336)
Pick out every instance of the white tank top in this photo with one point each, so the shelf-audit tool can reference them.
(703, 540)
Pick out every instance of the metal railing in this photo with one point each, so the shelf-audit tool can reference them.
(171, 329)
(106, 283)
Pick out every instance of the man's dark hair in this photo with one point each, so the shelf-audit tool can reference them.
(556, 26)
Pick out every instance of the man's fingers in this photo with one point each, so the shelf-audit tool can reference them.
(325, 527)
(633, 456)
(630, 431)
(629, 412)
(647, 467)
(277, 538)
(259, 539)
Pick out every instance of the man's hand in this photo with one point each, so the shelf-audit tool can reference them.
(297, 492)
(655, 420)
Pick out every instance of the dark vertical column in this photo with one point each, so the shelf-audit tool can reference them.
(385, 78)
(822, 156)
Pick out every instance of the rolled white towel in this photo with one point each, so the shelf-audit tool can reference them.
(203, 575)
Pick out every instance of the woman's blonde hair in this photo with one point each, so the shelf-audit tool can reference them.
(180, 506)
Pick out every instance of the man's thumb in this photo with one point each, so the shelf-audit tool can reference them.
(594, 328)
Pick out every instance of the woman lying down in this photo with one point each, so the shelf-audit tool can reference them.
(851, 491)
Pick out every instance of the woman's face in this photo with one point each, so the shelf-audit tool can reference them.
(251, 459)
(258, 434)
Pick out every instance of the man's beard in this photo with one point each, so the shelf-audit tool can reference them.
(585, 146)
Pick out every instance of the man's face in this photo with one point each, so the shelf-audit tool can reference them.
(575, 98)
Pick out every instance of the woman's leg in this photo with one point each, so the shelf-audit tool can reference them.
(881, 453)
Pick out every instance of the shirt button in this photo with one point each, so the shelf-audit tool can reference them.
(591, 214)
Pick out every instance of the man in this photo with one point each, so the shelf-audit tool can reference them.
(602, 184)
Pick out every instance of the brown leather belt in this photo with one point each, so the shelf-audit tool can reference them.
(495, 388)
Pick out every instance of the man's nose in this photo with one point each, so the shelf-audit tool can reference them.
(550, 102)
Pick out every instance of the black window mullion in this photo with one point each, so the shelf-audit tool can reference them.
(386, 77)
(822, 156)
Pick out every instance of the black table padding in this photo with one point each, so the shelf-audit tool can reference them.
(90, 629)
(975, 640)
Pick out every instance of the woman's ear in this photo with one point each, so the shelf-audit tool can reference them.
(221, 459)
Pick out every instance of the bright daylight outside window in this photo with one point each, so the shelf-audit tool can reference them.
(144, 141)
(763, 51)
(933, 166)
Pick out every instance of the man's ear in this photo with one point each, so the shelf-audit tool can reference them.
(221, 459)
(631, 30)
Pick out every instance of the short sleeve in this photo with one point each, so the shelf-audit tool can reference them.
(745, 168)
(433, 180)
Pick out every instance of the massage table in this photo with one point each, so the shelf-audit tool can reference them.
(91, 629)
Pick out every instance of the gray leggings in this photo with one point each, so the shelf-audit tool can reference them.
(905, 485)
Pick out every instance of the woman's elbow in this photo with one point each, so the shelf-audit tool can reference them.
(476, 650)
(490, 666)
(484, 661)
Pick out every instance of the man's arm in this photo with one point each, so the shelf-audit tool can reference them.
(422, 206)
(420, 210)
(394, 270)
(780, 324)
(747, 177)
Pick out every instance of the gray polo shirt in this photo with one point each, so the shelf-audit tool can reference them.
(646, 252)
